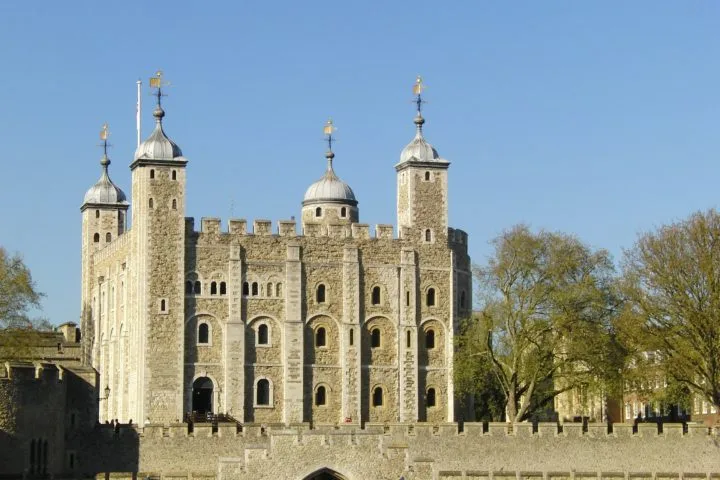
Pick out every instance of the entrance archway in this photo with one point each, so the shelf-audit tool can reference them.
(202, 395)
(325, 474)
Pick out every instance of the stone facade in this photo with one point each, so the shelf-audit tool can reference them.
(327, 325)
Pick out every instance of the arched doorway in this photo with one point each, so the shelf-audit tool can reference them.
(325, 474)
(202, 395)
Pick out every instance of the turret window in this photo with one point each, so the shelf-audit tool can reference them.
(174, 204)
(430, 339)
(152, 173)
(269, 290)
(320, 337)
(96, 238)
(318, 212)
(428, 235)
(97, 213)
(375, 297)
(213, 288)
(427, 176)
(174, 175)
(320, 294)
(430, 297)
(150, 203)
(203, 337)
(375, 338)
(246, 288)
(163, 305)
(343, 212)
(320, 396)
(408, 339)
(263, 337)
(278, 290)
(262, 392)
(108, 237)
(430, 397)
(223, 288)
(377, 398)
(352, 334)
(197, 288)
(254, 289)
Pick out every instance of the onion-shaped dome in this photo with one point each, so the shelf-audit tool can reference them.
(419, 150)
(158, 146)
(105, 191)
(329, 189)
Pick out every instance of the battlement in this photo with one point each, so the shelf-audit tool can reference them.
(33, 372)
(289, 228)
(457, 236)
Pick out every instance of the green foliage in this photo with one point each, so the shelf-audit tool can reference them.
(671, 281)
(548, 302)
(17, 295)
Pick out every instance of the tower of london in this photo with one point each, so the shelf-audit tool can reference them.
(327, 321)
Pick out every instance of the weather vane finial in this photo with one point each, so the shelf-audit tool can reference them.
(156, 81)
(328, 130)
(418, 88)
(104, 135)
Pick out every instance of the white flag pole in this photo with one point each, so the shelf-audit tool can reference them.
(137, 114)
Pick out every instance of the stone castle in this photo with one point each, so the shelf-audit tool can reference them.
(332, 325)
(311, 352)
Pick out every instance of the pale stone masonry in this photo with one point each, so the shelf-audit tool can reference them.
(322, 322)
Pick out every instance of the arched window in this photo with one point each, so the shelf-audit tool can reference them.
(320, 294)
(320, 395)
(407, 299)
(197, 288)
(263, 337)
(343, 212)
(430, 338)
(203, 334)
(462, 299)
(269, 290)
(428, 235)
(188, 287)
(430, 397)
(375, 296)
(427, 176)
(377, 398)
(430, 297)
(97, 213)
(254, 288)
(150, 203)
(96, 238)
(375, 338)
(278, 290)
(352, 334)
(152, 173)
(108, 237)
(163, 305)
(174, 204)
(318, 212)
(174, 175)
(223, 288)
(213, 288)
(246, 288)
(408, 339)
(320, 337)
(262, 393)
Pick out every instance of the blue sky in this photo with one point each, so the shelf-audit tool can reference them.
(598, 118)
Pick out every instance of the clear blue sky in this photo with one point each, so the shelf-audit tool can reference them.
(598, 118)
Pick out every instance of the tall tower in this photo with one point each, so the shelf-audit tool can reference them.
(422, 195)
(158, 193)
(104, 218)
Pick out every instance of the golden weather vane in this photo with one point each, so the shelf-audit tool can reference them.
(418, 89)
(104, 135)
(328, 130)
(156, 81)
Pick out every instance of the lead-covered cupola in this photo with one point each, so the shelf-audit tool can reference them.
(329, 200)
(104, 192)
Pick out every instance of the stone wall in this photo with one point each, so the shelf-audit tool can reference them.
(392, 451)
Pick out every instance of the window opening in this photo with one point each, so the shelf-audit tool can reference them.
(430, 298)
(108, 237)
(320, 395)
(430, 397)
(188, 287)
(152, 173)
(407, 299)
(377, 399)
(318, 212)
(197, 289)
(263, 337)
(223, 288)
(269, 290)
(427, 176)
(174, 175)
(96, 238)
(203, 333)
(320, 337)
(174, 204)
(246, 288)
(254, 288)
(376, 296)
(343, 212)
(263, 392)
(150, 203)
(320, 293)
(428, 235)
(351, 336)
(97, 213)
(213, 288)
(278, 290)
(430, 339)
(375, 338)
(162, 305)
(408, 339)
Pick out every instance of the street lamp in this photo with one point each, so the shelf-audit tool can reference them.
(107, 393)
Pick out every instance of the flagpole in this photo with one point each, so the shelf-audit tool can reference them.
(137, 115)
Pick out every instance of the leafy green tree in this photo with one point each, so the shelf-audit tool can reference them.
(18, 294)
(671, 281)
(548, 303)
